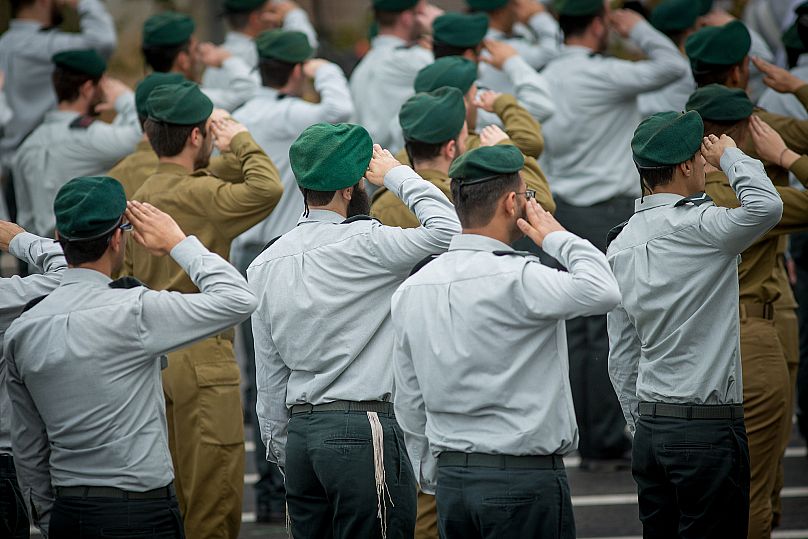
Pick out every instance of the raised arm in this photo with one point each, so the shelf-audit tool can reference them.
(97, 31)
(624, 360)
(522, 128)
(335, 104)
(242, 83)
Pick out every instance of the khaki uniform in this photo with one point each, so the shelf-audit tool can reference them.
(765, 346)
(201, 383)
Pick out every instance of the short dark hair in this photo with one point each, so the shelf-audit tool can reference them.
(576, 25)
(83, 252)
(161, 57)
(238, 20)
(677, 36)
(316, 198)
(423, 151)
(440, 49)
(656, 176)
(275, 73)
(67, 83)
(168, 140)
(476, 203)
(17, 5)
(386, 18)
(737, 130)
(712, 74)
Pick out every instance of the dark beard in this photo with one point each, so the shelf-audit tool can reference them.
(202, 159)
(359, 203)
(57, 17)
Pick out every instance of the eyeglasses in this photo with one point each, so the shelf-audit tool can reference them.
(529, 194)
(126, 227)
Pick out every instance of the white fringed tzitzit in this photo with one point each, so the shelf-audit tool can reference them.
(288, 521)
(378, 467)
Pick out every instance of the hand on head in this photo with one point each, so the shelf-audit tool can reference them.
(775, 77)
(155, 230)
(769, 144)
(381, 163)
(491, 135)
(712, 148)
(224, 129)
(539, 223)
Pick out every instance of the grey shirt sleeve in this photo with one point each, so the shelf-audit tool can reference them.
(242, 85)
(530, 88)
(298, 20)
(624, 360)
(97, 31)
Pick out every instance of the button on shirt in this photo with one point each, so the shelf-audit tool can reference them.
(16, 292)
(675, 337)
(480, 355)
(84, 374)
(25, 57)
(276, 121)
(322, 330)
(588, 139)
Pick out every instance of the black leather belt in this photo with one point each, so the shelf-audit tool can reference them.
(686, 411)
(7, 463)
(112, 492)
(482, 460)
(345, 406)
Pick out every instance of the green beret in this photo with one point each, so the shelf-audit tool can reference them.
(284, 45)
(486, 5)
(179, 104)
(717, 103)
(242, 6)
(394, 5)
(454, 71)
(433, 117)
(667, 138)
(674, 15)
(330, 157)
(87, 208)
(791, 39)
(486, 163)
(705, 6)
(85, 61)
(461, 30)
(145, 87)
(718, 46)
(579, 8)
(167, 28)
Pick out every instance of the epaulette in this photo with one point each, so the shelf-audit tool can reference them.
(82, 122)
(614, 232)
(523, 254)
(33, 303)
(357, 218)
(696, 200)
(126, 282)
(422, 263)
(270, 242)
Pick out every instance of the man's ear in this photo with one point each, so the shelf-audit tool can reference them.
(87, 89)
(347, 193)
(509, 203)
(450, 150)
(686, 168)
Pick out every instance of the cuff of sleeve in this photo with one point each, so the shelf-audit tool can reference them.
(325, 72)
(641, 30)
(554, 241)
(730, 157)
(800, 169)
(514, 66)
(395, 179)
(124, 102)
(20, 243)
(802, 94)
(185, 251)
(503, 102)
(241, 143)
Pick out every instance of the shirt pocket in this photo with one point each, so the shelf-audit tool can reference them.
(220, 403)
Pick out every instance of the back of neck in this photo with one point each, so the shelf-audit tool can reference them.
(186, 162)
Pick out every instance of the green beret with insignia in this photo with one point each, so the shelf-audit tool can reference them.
(284, 45)
(149, 83)
(454, 71)
(718, 46)
(433, 117)
(486, 5)
(88, 207)
(179, 104)
(705, 6)
(667, 138)
(579, 8)
(85, 61)
(486, 163)
(242, 6)
(394, 6)
(462, 30)
(330, 157)
(717, 103)
(674, 15)
(167, 28)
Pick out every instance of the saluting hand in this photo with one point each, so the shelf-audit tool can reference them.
(211, 55)
(486, 100)
(499, 52)
(712, 148)
(623, 21)
(381, 163)
(155, 230)
(769, 144)
(778, 79)
(223, 130)
(277, 11)
(539, 223)
(7, 232)
(491, 135)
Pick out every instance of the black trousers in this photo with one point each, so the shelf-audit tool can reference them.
(90, 518)
(692, 478)
(14, 522)
(799, 250)
(330, 481)
(493, 503)
(600, 419)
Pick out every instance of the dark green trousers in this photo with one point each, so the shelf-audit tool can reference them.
(330, 481)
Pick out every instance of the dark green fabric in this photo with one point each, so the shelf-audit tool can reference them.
(718, 45)
(454, 71)
(394, 5)
(85, 61)
(330, 157)
(486, 5)
(791, 39)
(242, 6)
(675, 15)
(167, 28)
(88, 206)
(179, 104)
(464, 30)
(284, 45)
(145, 87)
(717, 103)
(579, 8)
(667, 138)
(433, 117)
(705, 6)
(486, 162)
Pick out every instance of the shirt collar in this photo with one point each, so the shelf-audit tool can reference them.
(172, 168)
(322, 216)
(144, 146)
(22, 24)
(476, 242)
(59, 116)
(265, 92)
(649, 202)
(83, 275)
(387, 40)
(237, 38)
(802, 60)
(576, 50)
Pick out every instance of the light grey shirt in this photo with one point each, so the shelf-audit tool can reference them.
(480, 356)
(675, 336)
(25, 57)
(275, 122)
(15, 293)
(243, 82)
(382, 82)
(56, 152)
(587, 153)
(84, 375)
(787, 104)
(322, 329)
